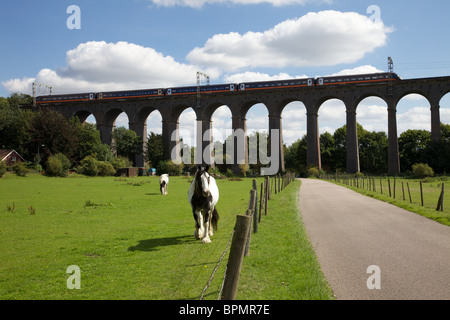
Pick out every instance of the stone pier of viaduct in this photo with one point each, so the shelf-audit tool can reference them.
(239, 102)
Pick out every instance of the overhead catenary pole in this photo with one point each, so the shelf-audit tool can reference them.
(199, 77)
(390, 70)
(36, 84)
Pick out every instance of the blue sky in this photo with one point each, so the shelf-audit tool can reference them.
(160, 43)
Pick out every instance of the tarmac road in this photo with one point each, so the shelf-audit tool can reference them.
(351, 232)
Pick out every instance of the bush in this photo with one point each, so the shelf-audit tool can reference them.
(244, 169)
(54, 167)
(57, 165)
(312, 172)
(422, 170)
(2, 168)
(105, 169)
(20, 169)
(90, 166)
(121, 162)
(171, 168)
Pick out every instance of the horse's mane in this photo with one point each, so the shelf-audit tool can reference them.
(198, 191)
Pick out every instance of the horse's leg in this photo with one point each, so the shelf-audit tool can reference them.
(199, 229)
(197, 225)
(206, 238)
(211, 233)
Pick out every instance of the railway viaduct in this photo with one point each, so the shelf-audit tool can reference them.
(170, 108)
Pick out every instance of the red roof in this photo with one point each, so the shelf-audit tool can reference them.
(5, 153)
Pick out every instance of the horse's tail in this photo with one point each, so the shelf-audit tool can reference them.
(215, 219)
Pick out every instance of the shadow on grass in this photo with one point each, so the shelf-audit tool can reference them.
(155, 244)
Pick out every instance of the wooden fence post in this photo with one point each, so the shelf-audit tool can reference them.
(251, 212)
(394, 187)
(440, 205)
(403, 191)
(389, 183)
(409, 192)
(261, 199)
(275, 183)
(266, 197)
(236, 256)
(421, 193)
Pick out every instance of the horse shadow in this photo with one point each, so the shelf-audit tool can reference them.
(157, 243)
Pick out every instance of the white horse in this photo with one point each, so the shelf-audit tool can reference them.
(163, 183)
(203, 195)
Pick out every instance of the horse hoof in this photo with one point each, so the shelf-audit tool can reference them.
(206, 240)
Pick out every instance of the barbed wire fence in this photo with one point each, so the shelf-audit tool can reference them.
(240, 238)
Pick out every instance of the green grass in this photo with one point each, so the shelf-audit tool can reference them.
(282, 263)
(132, 243)
(431, 189)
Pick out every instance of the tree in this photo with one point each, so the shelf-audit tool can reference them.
(16, 100)
(413, 145)
(340, 153)
(56, 133)
(14, 126)
(126, 142)
(327, 151)
(373, 151)
(296, 156)
(155, 149)
(89, 142)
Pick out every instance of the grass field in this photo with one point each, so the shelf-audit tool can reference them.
(431, 190)
(132, 243)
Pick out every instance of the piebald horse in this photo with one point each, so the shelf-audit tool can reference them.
(163, 183)
(203, 195)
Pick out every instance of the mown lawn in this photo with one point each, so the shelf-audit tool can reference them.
(130, 242)
(410, 200)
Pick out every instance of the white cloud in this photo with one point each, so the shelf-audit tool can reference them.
(417, 118)
(249, 76)
(97, 66)
(325, 38)
(200, 3)
(355, 71)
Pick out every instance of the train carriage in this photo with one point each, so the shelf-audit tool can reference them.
(58, 98)
(293, 83)
(361, 78)
(144, 93)
(203, 89)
